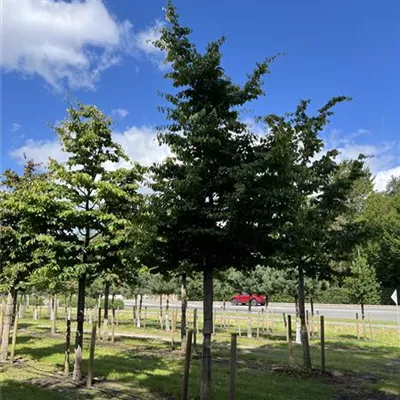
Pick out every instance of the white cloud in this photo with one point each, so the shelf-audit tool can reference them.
(140, 144)
(383, 177)
(383, 157)
(15, 127)
(63, 42)
(120, 112)
(144, 42)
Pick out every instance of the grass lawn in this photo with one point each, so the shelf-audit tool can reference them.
(143, 368)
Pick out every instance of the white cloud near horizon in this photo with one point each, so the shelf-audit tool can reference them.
(140, 144)
(383, 157)
(67, 43)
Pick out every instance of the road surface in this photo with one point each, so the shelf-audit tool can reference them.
(337, 311)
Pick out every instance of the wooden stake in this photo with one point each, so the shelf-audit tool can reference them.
(67, 345)
(233, 364)
(112, 325)
(185, 381)
(145, 317)
(195, 328)
(284, 320)
(322, 330)
(118, 316)
(14, 338)
(290, 343)
(173, 326)
(91, 356)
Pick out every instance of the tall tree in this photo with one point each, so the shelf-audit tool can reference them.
(86, 136)
(197, 188)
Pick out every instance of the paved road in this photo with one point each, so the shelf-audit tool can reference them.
(378, 313)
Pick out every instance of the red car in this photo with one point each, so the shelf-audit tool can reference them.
(245, 298)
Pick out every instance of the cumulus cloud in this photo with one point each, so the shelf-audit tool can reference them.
(67, 43)
(120, 112)
(140, 144)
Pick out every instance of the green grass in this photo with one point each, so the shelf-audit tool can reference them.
(149, 369)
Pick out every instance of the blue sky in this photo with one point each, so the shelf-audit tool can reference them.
(97, 52)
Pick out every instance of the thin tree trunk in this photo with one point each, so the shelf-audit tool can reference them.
(106, 296)
(206, 387)
(312, 306)
(303, 326)
(161, 313)
(77, 374)
(14, 307)
(183, 309)
(53, 314)
(140, 306)
(104, 334)
(8, 317)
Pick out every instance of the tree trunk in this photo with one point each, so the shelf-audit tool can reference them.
(106, 296)
(140, 306)
(161, 313)
(362, 311)
(14, 306)
(303, 326)
(183, 309)
(312, 306)
(8, 317)
(53, 314)
(206, 387)
(80, 312)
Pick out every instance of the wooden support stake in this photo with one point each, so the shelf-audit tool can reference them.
(284, 320)
(67, 345)
(195, 329)
(14, 337)
(322, 330)
(91, 357)
(145, 317)
(113, 325)
(98, 322)
(173, 327)
(186, 371)
(118, 316)
(233, 365)
(290, 342)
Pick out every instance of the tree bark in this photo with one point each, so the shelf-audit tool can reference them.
(183, 309)
(8, 317)
(303, 327)
(80, 312)
(206, 386)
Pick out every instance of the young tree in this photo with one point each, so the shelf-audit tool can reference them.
(91, 189)
(313, 192)
(198, 187)
(362, 283)
(31, 240)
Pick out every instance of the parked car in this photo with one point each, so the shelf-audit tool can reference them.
(245, 298)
